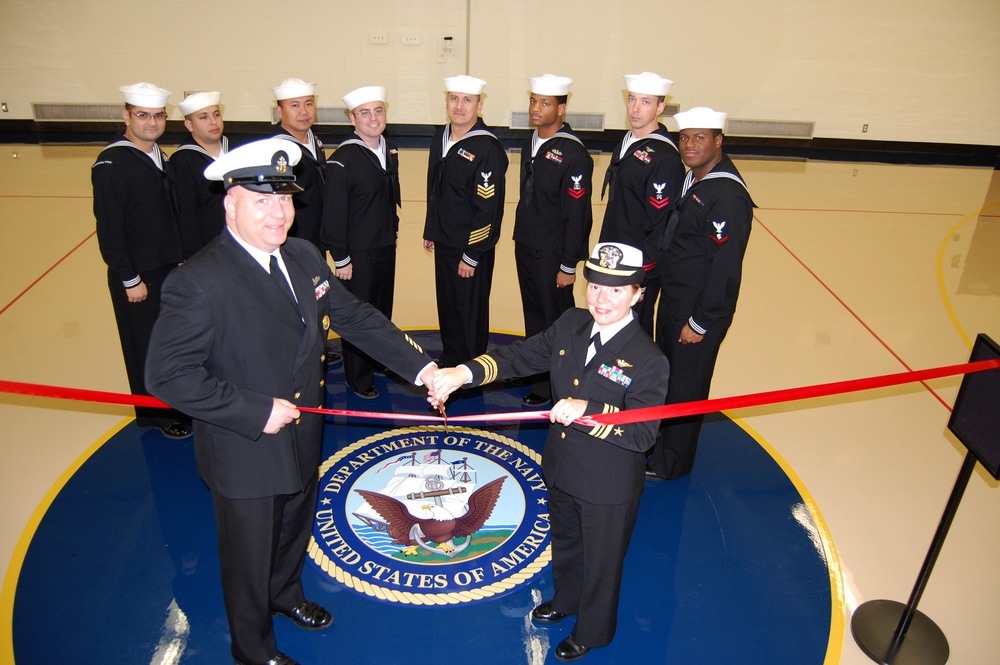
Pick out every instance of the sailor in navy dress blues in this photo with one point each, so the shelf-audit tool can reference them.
(361, 219)
(466, 184)
(600, 362)
(701, 269)
(200, 215)
(296, 102)
(138, 236)
(554, 216)
(642, 180)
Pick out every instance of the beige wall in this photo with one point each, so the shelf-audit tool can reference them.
(919, 70)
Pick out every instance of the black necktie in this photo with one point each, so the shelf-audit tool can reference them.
(278, 278)
(595, 341)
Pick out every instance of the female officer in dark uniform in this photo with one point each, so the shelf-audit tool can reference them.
(600, 361)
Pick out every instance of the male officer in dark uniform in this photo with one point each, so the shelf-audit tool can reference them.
(600, 362)
(701, 269)
(138, 236)
(296, 102)
(360, 218)
(644, 178)
(199, 201)
(554, 216)
(466, 183)
(240, 345)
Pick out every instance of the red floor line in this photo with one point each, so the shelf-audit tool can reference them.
(849, 310)
(44, 274)
(868, 212)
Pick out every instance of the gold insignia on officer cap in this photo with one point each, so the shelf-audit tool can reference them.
(261, 166)
(614, 264)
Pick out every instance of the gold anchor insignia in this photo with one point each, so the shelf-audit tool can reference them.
(282, 165)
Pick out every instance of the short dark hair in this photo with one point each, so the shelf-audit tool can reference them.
(716, 132)
(561, 99)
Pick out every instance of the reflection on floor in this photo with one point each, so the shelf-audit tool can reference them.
(726, 565)
(853, 270)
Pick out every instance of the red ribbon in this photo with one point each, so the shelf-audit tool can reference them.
(617, 418)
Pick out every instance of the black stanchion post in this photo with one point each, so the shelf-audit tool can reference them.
(916, 640)
(975, 421)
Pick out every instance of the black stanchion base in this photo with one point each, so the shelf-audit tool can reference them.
(874, 625)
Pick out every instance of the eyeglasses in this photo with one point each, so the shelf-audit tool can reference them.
(143, 116)
(367, 113)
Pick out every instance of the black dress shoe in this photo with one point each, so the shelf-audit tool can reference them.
(570, 649)
(280, 659)
(333, 358)
(368, 393)
(650, 474)
(308, 615)
(176, 431)
(531, 399)
(545, 614)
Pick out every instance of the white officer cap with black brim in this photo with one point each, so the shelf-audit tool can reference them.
(197, 101)
(701, 117)
(614, 264)
(263, 166)
(146, 95)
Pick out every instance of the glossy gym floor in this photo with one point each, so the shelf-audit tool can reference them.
(796, 512)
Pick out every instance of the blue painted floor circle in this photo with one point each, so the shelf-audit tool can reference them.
(724, 566)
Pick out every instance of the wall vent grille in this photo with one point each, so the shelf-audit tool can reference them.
(783, 129)
(60, 112)
(670, 110)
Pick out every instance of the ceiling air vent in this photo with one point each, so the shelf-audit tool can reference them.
(59, 112)
(778, 129)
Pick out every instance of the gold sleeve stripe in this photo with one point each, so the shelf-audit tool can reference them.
(602, 431)
(479, 234)
(412, 343)
(489, 366)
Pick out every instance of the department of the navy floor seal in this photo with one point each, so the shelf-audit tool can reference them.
(433, 516)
